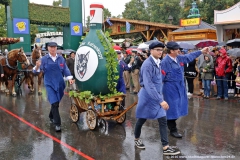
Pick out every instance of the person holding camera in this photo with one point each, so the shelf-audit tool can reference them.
(136, 65)
(126, 72)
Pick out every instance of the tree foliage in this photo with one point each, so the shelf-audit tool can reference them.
(3, 23)
(135, 10)
(106, 13)
(160, 10)
(49, 15)
(57, 3)
(208, 7)
(88, 22)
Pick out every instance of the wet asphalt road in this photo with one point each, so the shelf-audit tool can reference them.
(210, 131)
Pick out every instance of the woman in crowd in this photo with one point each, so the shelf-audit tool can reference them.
(206, 70)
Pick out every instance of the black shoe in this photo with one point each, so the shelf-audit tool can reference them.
(58, 128)
(170, 151)
(139, 144)
(176, 134)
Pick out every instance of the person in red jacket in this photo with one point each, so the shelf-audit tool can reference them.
(223, 68)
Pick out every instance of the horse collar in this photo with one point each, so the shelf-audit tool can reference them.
(9, 64)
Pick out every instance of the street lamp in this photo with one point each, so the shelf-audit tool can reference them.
(170, 18)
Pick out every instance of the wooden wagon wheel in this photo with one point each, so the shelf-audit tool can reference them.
(121, 119)
(91, 119)
(74, 113)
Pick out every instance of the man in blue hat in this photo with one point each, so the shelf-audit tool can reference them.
(173, 84)
(54, 68)
(151, 104)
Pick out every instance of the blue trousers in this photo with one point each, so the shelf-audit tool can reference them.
(162, 129)
(207, 87)
(222, 86)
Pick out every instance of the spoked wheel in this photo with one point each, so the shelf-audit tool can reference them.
(74, 113)
(91, 119)
(121, 119)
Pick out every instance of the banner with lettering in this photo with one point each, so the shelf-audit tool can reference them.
(190, 22)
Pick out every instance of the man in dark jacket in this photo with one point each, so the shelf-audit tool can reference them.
(70, 63)
(135, 71)
(126, 73)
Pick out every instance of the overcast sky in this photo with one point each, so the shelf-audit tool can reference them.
(116, 7)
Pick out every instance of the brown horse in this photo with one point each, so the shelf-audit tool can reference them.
(29, 75)
(9, 64)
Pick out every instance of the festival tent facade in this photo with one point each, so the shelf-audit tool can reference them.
(227, 23)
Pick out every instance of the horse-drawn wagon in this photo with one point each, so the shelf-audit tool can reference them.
(98, 108)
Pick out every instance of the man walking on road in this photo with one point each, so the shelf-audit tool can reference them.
(174, 89)
(151, 104)
(54, 68)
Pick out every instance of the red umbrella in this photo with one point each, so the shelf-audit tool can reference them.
(206, 43)
(117, 47)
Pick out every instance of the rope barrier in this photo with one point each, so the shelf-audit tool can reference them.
(212, 79)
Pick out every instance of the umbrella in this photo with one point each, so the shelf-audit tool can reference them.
(68, 51)
(222, 44)
(143, 46)
(233, 42)
(186, 45)
(117, 47)
(60, 51)
(235, 52)
(206, 43)
(151, 41)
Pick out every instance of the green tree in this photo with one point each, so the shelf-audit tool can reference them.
(57, 3)
(33, 32)
(135, 10)
(208, 7)
(88, 22)
(160, 10)
(106, 13)
(3, 23)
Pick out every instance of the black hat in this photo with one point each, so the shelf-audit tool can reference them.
(156, 44)
(173, 45)
(52, 44)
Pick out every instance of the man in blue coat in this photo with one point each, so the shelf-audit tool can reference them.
(151, 104)
(54, 68)
(174, 91)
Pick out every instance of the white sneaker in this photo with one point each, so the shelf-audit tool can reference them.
(189, 94)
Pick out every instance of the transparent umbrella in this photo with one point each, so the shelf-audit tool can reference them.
(235, 52)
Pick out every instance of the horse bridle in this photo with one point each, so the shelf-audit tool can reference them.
(8, 65)
(31, 60)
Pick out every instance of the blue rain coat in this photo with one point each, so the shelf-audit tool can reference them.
(120, 83)
(174, 89)
(53, 77)
(150, 95)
